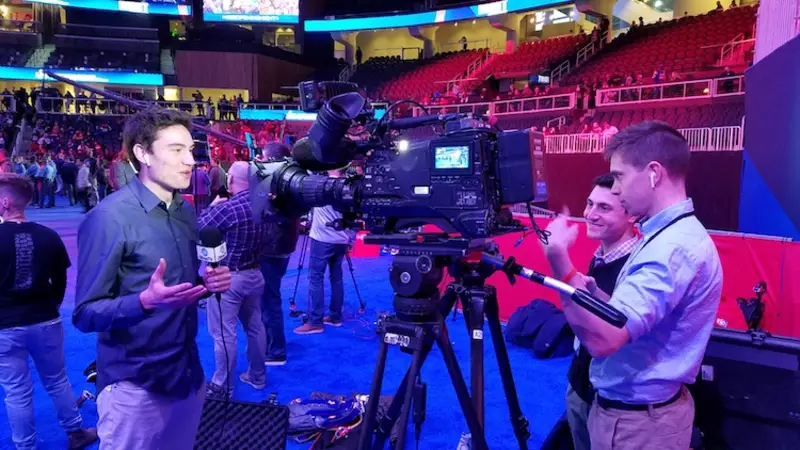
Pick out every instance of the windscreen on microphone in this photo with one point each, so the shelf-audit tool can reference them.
(211, 248)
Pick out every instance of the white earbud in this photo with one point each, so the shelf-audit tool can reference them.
(147, 161)
(652, 179)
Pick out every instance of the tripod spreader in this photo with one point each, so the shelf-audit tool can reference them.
(584, 299)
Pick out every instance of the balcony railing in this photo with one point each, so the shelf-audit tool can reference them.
(507, 107)
(716, 87)
(21, 26)
(699, 139)
(272, 106)
(104, 107)
(100, 106)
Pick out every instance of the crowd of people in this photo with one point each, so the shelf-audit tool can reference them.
(74, 157)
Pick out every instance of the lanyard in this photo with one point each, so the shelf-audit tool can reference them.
(671, 223)
(622, 273)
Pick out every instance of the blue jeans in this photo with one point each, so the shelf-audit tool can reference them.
(325, 255)
(44, 343)
(273, 269)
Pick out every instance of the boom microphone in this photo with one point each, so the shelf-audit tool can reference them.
(584, 299)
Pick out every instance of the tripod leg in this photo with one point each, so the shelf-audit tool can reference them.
(518, 421)
(411, 381)
(476, 320)
(389, 419)
(374, 397)
(478, 438)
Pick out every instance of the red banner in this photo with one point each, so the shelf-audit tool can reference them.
(746, 260)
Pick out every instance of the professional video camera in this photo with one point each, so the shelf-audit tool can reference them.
(459, 181)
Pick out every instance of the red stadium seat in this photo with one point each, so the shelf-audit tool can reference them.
(682, 45)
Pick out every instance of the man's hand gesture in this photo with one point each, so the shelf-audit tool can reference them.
(158, 295)
(562, 234)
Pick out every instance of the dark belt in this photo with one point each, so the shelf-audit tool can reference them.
(253, 266)
(616, 404)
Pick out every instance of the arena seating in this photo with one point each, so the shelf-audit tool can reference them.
(723, 113)
(377, 70)
(67, 132)
(522, 121)
(676, 45)
(423, 80)
(530, 57)
(104, 60)
(14, 55)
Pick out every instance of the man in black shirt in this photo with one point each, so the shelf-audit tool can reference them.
(33, 278)
(138, 286)
(608, 222)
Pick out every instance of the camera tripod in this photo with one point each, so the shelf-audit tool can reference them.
(416, 273)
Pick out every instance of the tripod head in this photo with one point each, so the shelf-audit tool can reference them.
(418, 265)
(418, 269)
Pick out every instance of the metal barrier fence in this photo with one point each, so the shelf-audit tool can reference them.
(107, 107)
(507, 107)
(716, 87)
(699, 139)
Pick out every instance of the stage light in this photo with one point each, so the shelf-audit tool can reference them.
(659, 3)
(402, 145)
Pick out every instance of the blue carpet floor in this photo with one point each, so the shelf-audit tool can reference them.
(341, 360)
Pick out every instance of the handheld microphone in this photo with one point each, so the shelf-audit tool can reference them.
(211, 248)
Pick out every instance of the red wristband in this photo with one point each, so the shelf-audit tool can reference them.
(569, 276)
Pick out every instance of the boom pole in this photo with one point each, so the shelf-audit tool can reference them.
(135, 104)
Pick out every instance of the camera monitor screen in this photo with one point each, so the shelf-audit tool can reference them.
(451, 157)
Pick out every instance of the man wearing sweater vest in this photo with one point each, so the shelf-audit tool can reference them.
(608, 222)
(669, 290)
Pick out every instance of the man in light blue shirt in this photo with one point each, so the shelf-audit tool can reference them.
(669, 290)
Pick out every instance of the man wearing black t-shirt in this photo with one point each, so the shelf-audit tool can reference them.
(33, 278)
(608, 222)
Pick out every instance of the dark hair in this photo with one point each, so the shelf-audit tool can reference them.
(142, 127)
(651, 141)
(20, 189)
(605, 181)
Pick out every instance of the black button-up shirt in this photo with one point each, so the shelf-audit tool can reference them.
(120, 243)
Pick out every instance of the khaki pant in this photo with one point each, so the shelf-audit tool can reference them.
(132, 418)
(665, 428)
(578, 417)
(242, 302)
